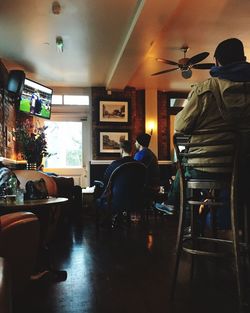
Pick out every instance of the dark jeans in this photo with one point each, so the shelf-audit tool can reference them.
(223, 214)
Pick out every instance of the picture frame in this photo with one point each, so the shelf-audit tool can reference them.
(114, 111)
(109, 141)
(8, 137)
(176, 101)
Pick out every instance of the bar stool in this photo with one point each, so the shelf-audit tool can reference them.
(225, 155)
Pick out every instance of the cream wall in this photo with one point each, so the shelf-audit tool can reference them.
(151, 117)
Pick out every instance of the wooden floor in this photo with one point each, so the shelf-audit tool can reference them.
(127, 271)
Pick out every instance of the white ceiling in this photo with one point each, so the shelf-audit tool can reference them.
(114, 43)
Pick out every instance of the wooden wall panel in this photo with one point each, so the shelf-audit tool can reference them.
(162, 126)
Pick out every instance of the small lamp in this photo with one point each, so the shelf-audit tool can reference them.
(151, 127)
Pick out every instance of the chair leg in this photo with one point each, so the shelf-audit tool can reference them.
(195, 230)
(236, 252)
(97, 218)
(246, 234)
(178, 251)
(193, 225)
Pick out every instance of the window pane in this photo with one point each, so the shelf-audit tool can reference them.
(65, 144)
(76, 100)
(56, 99)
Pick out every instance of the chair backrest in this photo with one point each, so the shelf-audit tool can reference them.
(126, 186)
(19, 241)
(210, 155)
(214, 154)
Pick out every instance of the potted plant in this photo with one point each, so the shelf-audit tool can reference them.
(31, 142)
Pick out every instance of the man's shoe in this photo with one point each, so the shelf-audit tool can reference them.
(187, 233)
(166, 208)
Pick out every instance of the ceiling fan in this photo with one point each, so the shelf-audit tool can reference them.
(186, 64)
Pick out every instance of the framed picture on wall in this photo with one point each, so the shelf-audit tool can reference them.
(113, 111)
(8, 137)
(109, 141)
(175, 103)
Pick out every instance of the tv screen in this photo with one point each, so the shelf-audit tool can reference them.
(36, 99)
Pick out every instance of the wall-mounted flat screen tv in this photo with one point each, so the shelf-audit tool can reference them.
(36, 99)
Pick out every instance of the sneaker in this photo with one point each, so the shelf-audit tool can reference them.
(166, 208)
(187, 233)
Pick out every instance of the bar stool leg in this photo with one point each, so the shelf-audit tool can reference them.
(179, 242)
(195, 230)
(236, 251)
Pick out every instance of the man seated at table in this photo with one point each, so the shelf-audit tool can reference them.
(125, 151)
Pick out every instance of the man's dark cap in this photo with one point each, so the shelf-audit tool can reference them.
(229, 51)
(143, 139)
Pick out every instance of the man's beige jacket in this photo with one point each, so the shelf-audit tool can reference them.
(215, 104)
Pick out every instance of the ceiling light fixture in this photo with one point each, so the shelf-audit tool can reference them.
(59, 44)
(186, 73)
(56, 8)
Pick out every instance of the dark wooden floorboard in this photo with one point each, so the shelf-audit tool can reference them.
(127, 271)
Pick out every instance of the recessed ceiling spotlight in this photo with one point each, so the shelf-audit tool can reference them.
(56, 7)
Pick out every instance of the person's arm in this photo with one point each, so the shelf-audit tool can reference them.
(186, 119)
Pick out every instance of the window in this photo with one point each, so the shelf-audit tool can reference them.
(76, 100)
(57, 99)
(70, 100)
(64, 143)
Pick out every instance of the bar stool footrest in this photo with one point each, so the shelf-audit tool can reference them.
(204, 253)
(205, 203)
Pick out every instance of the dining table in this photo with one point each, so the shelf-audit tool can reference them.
(34, 204)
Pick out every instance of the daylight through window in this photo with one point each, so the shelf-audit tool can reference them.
(64, 143)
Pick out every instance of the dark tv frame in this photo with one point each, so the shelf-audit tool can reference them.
(30, 113)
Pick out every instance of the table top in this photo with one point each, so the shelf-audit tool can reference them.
(32, 203)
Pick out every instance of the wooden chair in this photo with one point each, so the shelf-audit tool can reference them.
(226, 177)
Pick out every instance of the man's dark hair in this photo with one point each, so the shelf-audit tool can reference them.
(229, 51)
(126, 146)
(143, 139)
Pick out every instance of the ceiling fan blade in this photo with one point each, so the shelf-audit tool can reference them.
(203, 66)
(198, 58)
(166, 71)
(166, 61)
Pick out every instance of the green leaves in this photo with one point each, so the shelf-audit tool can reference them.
(31, 141)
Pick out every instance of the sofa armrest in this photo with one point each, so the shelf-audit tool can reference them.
(65, 186)
(5, 292)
